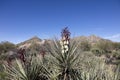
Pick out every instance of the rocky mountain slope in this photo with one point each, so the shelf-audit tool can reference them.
(33, 40)
(37, 40)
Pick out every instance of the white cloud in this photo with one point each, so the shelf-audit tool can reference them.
(115, 37)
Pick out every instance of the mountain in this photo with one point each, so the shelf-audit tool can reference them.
(37, 40)
(91, 38)
(31, 41)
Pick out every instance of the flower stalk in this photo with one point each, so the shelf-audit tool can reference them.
(65, 41)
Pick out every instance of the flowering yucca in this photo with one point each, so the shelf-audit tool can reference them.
(65, 34)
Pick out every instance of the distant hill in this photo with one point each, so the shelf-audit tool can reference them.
(30, 41)
(37, 40)
(91, 38)
(35, 44)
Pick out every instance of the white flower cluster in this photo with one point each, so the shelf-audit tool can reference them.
(64, 45)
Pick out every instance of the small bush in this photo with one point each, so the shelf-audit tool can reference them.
(97, 51)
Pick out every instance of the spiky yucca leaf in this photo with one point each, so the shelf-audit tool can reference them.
(33, 71)
(66, 63)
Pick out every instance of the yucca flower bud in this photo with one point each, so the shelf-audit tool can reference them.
(65, 34)
(65, 41)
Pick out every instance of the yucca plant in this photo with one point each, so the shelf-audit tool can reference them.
(2, 73)
(95, 68)
(100, 72)
(26, 69)
(66, 57)
(63, 61)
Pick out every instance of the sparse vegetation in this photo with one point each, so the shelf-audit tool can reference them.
(63, 59)
(85, 45)
(6, 46)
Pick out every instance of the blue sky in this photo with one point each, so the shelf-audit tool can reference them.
(22, 19)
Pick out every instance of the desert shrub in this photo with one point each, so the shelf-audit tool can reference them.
(97, 51)
(85, 45)
(95, 68)
(6, 46)
(105, 46)
(115, 57)
(34, 49)
(3, 56)
(26, 68)
(116, 54)
(100, 72)
(116, 46)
